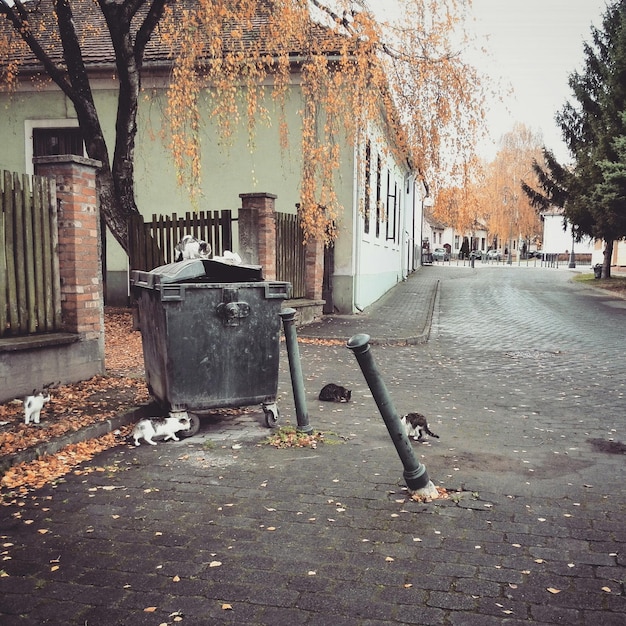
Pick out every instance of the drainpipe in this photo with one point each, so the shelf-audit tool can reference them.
(356, 232)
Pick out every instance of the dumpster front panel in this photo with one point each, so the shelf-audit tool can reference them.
(153, 322)
(213, 345)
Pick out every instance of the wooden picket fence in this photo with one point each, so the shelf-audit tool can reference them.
(153, 243)
(291, 253)
(30, 286)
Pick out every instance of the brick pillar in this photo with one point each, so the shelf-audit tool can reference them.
(257, 231)
(314, 269)
(80, 262)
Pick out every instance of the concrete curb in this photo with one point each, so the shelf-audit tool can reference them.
(92, 431)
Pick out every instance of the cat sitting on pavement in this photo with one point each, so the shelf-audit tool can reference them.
(334, 393)
(165, 427)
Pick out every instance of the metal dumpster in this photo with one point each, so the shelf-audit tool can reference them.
(210, 335)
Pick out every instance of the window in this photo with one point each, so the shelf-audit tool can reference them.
(50, 137)
(49, 141)
(392, 201)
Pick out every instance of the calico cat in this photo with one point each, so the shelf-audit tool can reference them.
(335, 393)
(416, 423)
(191, 248)
(165, 427)
(33, 405)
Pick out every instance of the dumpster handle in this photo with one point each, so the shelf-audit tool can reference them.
(172, 293)
(277, 290)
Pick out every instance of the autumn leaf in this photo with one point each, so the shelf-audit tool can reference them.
(227, 607)
(150, 609)
(553, 590)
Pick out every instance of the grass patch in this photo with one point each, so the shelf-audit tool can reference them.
(616, 284)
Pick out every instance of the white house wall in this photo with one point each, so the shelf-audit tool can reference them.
(559, 241)
(374, 263)
(366, 266)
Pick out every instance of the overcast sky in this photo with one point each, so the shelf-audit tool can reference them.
(536, 45)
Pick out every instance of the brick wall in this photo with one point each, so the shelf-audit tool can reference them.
(257, 231)
(79, 251)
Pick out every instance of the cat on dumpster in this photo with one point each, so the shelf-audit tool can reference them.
(191, 248)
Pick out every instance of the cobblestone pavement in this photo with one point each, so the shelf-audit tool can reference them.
(523, 379)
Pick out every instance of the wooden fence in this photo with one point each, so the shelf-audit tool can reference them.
(290, 253)
(30, 287)
(153, 243)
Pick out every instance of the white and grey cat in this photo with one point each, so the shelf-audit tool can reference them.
(191, 248)
(416, 425)
(165, 427)
(33, 405)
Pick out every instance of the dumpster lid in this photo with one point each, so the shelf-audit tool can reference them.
(207, 270)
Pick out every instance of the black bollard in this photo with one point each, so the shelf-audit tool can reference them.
(295, 369)
(414, 473)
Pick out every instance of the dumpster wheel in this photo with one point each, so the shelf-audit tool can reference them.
(271, 414)
(193, 428)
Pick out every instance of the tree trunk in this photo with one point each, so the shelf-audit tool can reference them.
(608, 255)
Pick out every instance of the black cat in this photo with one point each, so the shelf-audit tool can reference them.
(335, 393)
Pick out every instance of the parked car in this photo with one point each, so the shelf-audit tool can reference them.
(494, 255)
(441, 254)
(476, 254)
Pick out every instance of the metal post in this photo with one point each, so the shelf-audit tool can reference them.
(414, 473)
(295, 369)
(572, 256)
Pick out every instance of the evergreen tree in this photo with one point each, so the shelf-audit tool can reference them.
(594, 127)
(553, 181)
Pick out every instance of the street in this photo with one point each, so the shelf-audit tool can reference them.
(523, 381)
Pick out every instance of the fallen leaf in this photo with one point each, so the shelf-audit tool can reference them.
(54, 568)
(553, 590)
(215, 563)
(150, 609)
(227, 607)
(389, 559)
(176, 579)
(607, 589)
